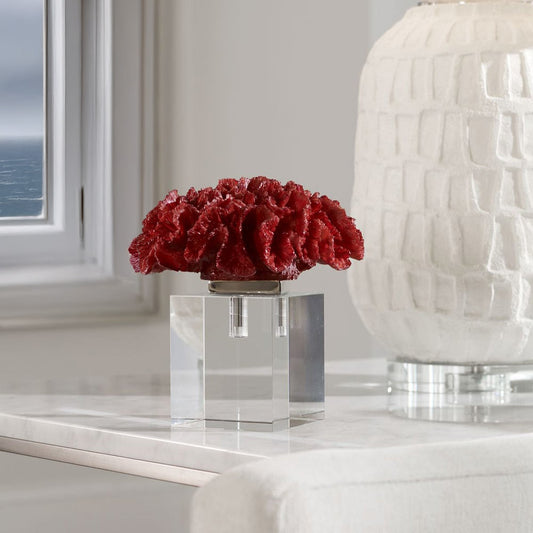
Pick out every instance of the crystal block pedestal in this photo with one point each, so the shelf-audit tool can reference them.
(246, 360)
(461, 393)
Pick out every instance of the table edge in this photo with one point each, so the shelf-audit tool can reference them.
(112, 463)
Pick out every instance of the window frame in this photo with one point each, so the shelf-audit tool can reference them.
(111, 165)
(54, 237)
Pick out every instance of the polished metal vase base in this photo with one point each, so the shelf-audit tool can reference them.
(245, 287)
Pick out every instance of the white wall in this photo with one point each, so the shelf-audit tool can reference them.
(39, 496)
(245, 87)
(270, 88)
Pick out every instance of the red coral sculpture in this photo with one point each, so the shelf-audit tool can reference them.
(246, 229)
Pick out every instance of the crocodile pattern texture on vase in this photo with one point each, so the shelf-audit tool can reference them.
(443, 189)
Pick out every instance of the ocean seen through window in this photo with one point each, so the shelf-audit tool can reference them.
(22, 176)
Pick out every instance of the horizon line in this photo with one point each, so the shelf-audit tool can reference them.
(19, 137)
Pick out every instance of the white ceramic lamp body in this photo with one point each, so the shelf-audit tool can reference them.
(443, 187)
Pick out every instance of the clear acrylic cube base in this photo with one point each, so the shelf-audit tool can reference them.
(246, 361)
(461, 393)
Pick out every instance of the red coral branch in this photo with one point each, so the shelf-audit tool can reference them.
(246, 229)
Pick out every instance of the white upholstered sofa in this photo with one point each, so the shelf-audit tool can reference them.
(483, 485)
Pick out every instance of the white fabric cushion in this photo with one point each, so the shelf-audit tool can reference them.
(484, 485)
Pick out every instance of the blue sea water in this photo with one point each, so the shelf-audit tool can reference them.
(21, 177)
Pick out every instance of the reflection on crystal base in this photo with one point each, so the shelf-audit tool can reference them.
(278, 425)
(244, 425)
(233, 425)
(461, 393)
(313, 410)
(300, 413)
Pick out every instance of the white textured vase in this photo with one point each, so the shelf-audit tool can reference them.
(443, 187)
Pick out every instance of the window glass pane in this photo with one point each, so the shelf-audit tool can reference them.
(21, 108)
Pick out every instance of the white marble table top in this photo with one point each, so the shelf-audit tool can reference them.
(128, 418)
